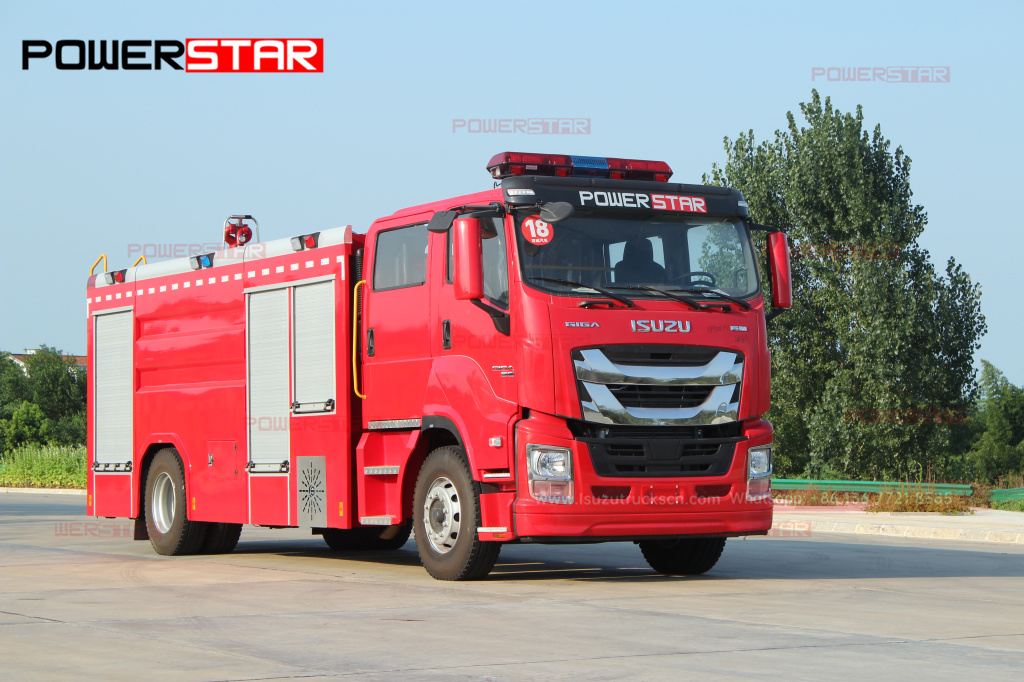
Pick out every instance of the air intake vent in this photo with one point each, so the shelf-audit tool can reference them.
(660, 356)
(635, 395)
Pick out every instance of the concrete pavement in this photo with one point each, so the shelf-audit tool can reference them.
(81, 604)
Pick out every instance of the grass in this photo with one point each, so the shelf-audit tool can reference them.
(910, 497)
(43, 466)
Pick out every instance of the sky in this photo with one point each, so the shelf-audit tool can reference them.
(131, 162)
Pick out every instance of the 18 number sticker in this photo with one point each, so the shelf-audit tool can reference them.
(537, 231)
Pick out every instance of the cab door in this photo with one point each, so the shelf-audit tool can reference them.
(472, 341)
(396, 307)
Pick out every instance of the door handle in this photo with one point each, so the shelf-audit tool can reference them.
(369, 343)
(446, 335)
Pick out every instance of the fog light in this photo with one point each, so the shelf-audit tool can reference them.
(759, 489)
(555, 492)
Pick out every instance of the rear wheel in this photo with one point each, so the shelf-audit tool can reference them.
(170, 530)
(369, 537)
(683, 557)
(446, 514)
(221, 538)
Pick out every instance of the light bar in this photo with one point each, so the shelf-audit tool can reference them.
(509, 164)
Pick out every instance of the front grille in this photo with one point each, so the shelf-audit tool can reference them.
(652, 452)
(657, 458)
(639, 395)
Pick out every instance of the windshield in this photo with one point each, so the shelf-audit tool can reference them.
(629, 255)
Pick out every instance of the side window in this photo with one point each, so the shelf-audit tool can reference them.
(400, 259)
(495, 262)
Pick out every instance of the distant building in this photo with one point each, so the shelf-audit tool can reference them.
(19, 358)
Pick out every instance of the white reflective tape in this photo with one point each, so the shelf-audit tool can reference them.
(294, 266)
(163, 288)
(309, 264)
(224, 278)
(238, 275)
(265, 271)
(279, 268)
(252, 273)
(325, 261)
(174, 287)
(187, 284)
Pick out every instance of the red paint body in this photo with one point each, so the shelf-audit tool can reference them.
(494, 392)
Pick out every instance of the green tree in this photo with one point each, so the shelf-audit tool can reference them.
(999, 449)
(872, 368)
(27, 424)
(14, 386)
(57, 383)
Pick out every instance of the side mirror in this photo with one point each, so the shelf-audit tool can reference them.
(469, 264)
(782, 279)
(556, 211)
(441, 221)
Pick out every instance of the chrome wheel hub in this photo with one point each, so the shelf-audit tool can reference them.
(162, 511)
(442, 515)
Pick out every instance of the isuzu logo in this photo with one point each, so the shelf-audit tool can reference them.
(660, 326)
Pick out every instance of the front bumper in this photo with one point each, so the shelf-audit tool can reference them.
(627, 508)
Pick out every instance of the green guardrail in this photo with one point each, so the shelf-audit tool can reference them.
(871, 486)
(1007, 495)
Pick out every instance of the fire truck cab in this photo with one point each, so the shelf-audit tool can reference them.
(577, 355)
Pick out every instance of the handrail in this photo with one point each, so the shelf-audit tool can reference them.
(355, 337)
(103, 257)
(869, 486)
(140, 258)
(1006, 495)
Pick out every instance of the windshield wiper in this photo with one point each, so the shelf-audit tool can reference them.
(573, 283)
(721, 294)
(683, 299)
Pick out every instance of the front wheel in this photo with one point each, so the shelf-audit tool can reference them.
(170, 530)
(446, 514)
(683, 557)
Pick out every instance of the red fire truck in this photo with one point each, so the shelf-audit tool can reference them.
(577, 355)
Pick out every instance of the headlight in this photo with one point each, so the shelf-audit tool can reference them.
(759, 471)
(550, 473)
(549, 463)
(759, 461)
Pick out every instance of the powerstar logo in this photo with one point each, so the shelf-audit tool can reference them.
(201, 55)
(660, 326)
(657, 202)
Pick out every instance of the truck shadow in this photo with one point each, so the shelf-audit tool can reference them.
(760, 559)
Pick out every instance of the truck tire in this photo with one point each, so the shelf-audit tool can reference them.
(446, 514)
(682, 557)
(221, 538)
(170, 531)
(352, 539)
